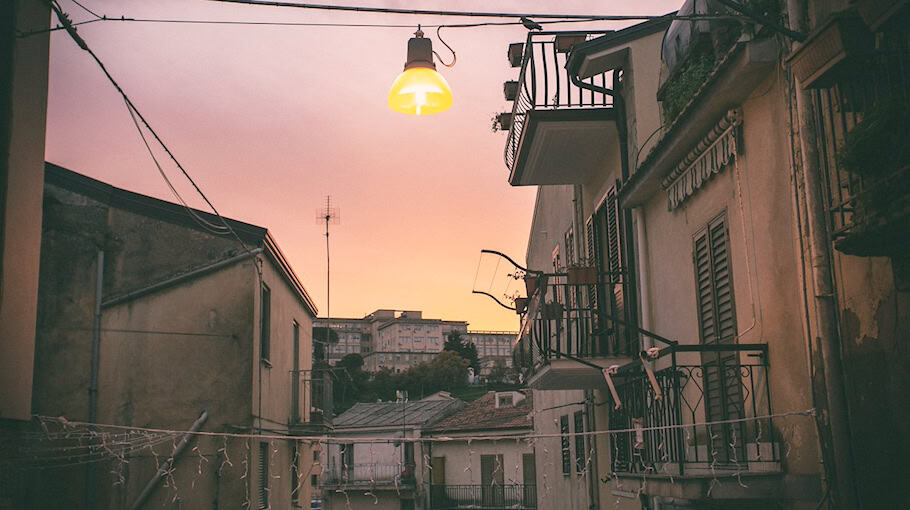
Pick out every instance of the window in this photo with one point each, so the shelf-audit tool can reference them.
(608, 249)
(717, 325)
(265, 311)
(579, 419)
(263, 475)
(564, 444)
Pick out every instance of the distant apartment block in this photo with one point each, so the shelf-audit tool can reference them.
(397, 340)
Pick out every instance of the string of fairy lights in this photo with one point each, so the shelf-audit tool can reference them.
(56, 443)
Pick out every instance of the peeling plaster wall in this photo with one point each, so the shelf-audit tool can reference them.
(875, 325)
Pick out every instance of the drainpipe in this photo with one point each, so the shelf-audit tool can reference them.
(641, 253)
(166, 466)
(93, 385)
(840, 475)
(96, 340)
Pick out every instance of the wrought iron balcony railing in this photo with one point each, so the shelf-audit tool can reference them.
(863, 125)
(713, 413)
(544, 83)
(578, 316)
(311, 398)
(488, 497)
(394, 475)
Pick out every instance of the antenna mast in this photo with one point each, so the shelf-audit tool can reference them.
(329, 215)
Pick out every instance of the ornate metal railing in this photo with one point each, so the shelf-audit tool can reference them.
(488, 497)
(577, 315)
(373, 474)
(544, 83)
(713, 413)
(311, 398)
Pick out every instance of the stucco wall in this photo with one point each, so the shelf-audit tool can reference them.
(463, 459)
(554, 488)
(875, 318)
(23, 111)
(165, 355)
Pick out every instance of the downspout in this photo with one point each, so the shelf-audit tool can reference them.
(96, 341)
(641, 251)
(840, 476)
(166, 466)
(93, 385)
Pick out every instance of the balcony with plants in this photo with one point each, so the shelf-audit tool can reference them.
(556, 129)
(574, 326)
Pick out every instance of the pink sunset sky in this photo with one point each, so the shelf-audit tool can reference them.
(269, 120)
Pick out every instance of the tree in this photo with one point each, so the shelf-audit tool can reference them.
(500, 373)
(463, 348)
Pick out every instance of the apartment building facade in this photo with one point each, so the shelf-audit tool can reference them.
(149, 321)
(681, 289)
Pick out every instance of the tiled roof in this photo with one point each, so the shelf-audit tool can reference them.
(393, 414)
(482, 414)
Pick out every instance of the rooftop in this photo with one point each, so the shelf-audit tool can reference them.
(482, 414)
(396, 414)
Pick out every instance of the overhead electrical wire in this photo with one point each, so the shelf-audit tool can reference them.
(431, 12)
(228, 230)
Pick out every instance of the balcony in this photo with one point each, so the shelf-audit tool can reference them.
(863, 155)
(575, 324)
(376, 476)
(311, 402)
(559, 132)
(488, 497)
(711, 419)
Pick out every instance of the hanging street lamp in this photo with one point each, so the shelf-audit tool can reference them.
(420, 90)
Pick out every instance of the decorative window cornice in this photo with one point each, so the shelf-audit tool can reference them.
(709, 157)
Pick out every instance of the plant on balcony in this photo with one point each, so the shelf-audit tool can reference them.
(877, 146)
(877, 151)
(681, 87)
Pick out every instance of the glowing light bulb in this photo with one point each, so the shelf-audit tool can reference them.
(420, 91)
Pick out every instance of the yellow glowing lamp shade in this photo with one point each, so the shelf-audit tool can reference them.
(420, 91)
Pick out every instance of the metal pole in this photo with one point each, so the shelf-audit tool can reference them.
(827, 340)
(93, 386)
(166, 466)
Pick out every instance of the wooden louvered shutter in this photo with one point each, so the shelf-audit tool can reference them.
(263, 475)
(614, 265)
(590, 344)
(717, 325)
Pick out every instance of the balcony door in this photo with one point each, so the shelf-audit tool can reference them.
(608, 245)
(717, 326)
(491, 480)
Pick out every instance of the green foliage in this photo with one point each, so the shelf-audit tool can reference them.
(464, 348)
(681, 87)
(500, 373)
(878, 146)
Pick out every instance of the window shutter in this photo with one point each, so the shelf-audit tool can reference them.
(717, 325)
(263, 475)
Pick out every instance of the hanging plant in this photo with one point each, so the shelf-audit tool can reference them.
(877, 146)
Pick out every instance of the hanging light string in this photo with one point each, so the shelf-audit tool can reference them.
(439, 439)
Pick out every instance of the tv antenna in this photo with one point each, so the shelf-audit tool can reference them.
(330, 215)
